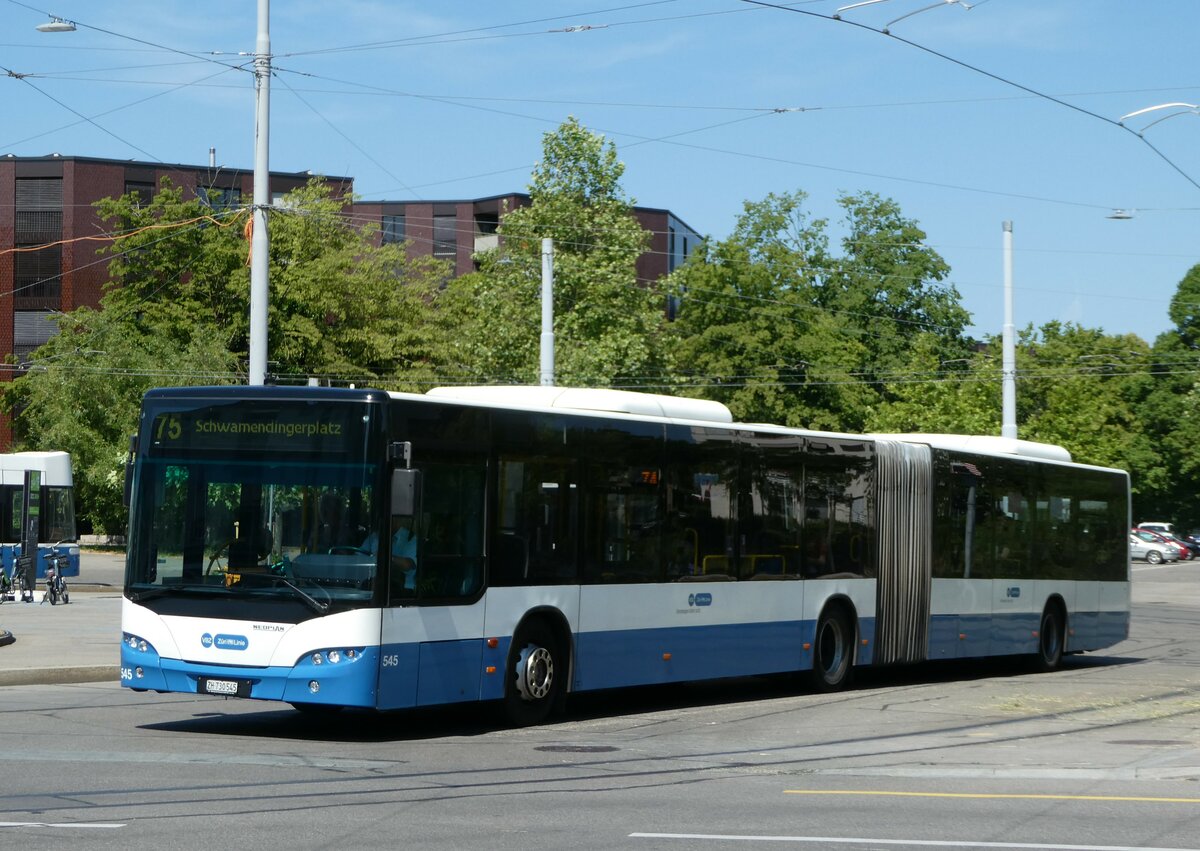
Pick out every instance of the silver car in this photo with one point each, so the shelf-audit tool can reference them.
(1152, 553)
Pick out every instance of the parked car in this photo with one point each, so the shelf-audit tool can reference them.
(1192, 547)
(1163, 543)
(1159, 526)
(1150, 552)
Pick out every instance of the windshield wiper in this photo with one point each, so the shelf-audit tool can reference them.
(160, 591)
(317, 606)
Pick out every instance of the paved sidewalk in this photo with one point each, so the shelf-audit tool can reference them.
(75, 642)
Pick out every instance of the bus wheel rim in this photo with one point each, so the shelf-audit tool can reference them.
(535, 673)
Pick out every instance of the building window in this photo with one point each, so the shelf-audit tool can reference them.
(37, 277)
(445, 237)
(31, 328)
(37, 264)
(142, 192)
(672, 260)
(220, 198)
(487, 223)
(393, 229)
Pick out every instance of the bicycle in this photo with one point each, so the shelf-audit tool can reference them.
(20, 588)
(56, 586)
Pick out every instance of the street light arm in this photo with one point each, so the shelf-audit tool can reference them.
(837, 13)
(966, 6)
(1175, 105)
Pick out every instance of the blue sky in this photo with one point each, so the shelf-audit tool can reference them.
(967, 117)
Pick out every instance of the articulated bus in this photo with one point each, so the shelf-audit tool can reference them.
(52, 507)
(358, 548)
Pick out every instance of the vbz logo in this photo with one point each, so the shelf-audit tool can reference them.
(1014, 592)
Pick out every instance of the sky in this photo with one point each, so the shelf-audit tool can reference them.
(967, 115)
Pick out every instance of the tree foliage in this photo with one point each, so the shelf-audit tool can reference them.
(606, 323)
(781, 329)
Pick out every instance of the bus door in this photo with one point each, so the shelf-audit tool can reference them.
(432, 627)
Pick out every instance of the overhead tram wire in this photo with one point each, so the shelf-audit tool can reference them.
(450, 37)
(345, 136)
(991, 75)
(673, 139)
(86, 120)
(80, 115)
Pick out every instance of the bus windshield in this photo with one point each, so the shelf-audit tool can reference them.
(257, 501)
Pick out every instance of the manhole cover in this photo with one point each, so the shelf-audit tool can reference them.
(576, 749)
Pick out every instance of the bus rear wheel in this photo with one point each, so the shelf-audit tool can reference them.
(1051, 634)
(536, 675)
(833, 650)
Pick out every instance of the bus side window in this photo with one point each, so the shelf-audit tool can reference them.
(538, 506)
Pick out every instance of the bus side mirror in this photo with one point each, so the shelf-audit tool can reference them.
(406, 488)
(129, 469)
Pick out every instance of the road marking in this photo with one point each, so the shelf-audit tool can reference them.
(923, 843)
(94, 825)
(997, 795)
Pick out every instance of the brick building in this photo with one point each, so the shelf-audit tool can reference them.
(455, 230)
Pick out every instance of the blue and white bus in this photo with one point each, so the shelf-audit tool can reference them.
(54, 504)
(568, 540)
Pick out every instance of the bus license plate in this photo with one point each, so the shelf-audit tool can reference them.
(233, 688)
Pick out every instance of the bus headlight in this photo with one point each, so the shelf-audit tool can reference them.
(135, 643)
(333, 656)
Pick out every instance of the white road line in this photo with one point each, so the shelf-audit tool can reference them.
(73, 824)
(920, 843)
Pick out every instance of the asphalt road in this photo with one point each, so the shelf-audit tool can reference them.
(1104, 754)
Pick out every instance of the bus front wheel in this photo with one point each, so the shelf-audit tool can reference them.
(833, 650)
(536, 675)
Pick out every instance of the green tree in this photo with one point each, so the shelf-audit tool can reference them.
(888, 283)
(83, 390)
(1168, 417)
(749, 333)
(340, 306)
(607, 324)
(1085, 390)
(932, 395)
(781, 329)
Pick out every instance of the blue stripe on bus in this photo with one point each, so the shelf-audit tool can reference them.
(646, 656)
(969, 636)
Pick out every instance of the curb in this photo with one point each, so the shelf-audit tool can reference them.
(60, 676)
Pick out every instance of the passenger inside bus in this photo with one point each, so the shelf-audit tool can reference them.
(403, 552)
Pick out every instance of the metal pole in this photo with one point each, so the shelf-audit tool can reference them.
(547, 360)
(1008, 423)
(259, 242)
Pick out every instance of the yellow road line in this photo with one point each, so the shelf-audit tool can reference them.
(994, 795)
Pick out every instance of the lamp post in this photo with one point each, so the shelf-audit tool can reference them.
(1008, 422)
(259, 239)
(546, 363)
